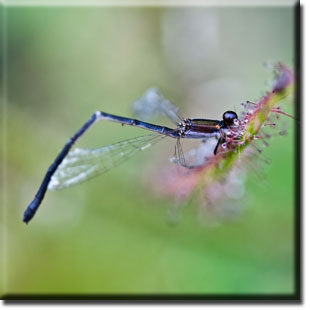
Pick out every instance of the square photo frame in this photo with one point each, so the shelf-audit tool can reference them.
(203, 201)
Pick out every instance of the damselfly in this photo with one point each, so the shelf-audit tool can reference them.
(73, 167)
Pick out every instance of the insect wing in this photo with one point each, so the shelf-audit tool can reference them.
(195, 157)
(153, 103)
(83, 164)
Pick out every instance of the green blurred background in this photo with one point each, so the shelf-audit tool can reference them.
(111, 235)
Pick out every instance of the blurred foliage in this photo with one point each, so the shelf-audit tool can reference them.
(110, 235)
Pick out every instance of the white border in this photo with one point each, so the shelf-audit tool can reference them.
(306, 111)
(4, 173)
(188, 3)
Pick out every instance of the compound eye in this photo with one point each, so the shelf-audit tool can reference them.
(229, 117)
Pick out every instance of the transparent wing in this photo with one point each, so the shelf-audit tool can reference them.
(197, 157)
(83, 164)
(153, 103)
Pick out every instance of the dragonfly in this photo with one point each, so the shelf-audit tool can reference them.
(72, 167)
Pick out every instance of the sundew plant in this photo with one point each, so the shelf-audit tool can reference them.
(219, 183)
